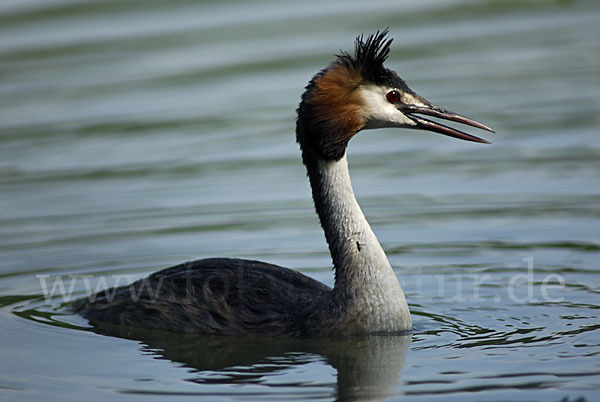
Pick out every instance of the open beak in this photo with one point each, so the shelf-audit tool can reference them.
(432, 110)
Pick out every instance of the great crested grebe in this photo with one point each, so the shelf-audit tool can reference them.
(235, 296)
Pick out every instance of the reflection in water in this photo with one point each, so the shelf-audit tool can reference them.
(367, 367)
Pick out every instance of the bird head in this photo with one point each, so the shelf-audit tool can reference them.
(356, 92)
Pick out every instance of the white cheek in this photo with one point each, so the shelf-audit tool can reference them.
(380, 113)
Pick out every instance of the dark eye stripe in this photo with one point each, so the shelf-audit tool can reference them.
(393, 96)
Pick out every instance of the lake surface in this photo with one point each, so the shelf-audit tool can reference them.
(137, 135)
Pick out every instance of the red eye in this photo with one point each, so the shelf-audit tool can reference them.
(393, 96)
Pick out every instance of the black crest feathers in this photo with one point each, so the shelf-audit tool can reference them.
(369, 56)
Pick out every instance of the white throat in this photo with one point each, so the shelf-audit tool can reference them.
(365, 284)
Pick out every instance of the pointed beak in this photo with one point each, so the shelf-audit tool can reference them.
(430, 109)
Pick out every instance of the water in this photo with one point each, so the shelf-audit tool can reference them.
(138, 135)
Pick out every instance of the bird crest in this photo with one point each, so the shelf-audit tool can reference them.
(369, 55)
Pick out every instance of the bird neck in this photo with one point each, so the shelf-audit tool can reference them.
(353, 245)
(365, 283)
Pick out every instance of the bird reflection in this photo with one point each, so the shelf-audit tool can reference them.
(368, 367)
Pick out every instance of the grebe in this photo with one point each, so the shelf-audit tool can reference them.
(235, 296)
